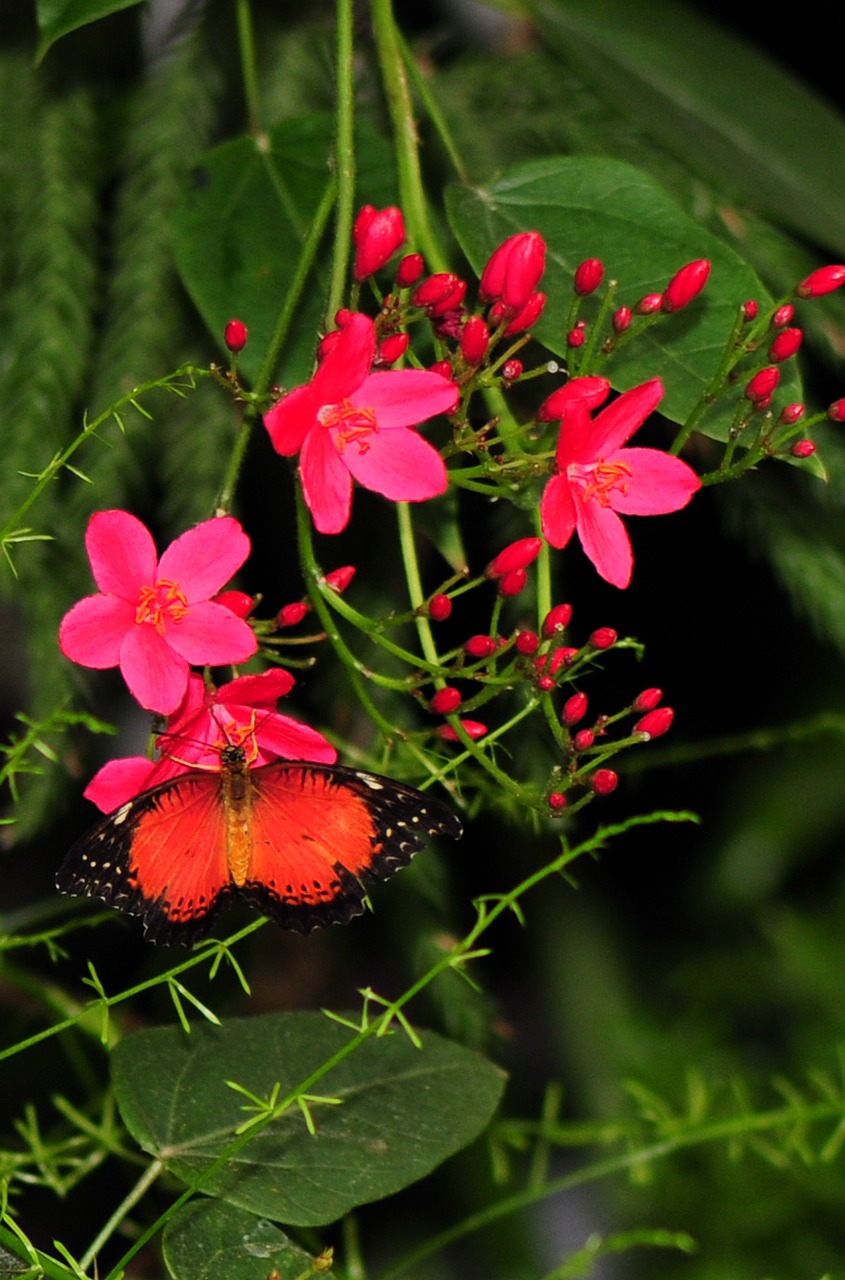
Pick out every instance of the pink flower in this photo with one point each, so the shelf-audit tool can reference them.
(596, 478)
(350, 423)
(154, 618)
(240, 713)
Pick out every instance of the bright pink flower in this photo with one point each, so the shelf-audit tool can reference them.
(350, 423)
(154, 618)
(597, 477)
(240, 713)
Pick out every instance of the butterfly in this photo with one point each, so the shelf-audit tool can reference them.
(301, 842)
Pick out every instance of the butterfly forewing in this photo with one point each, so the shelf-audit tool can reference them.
(299, 841)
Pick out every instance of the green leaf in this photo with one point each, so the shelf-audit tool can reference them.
(402, 1110)
(207, 1239)
(57, 18)
(714, 100)
(239, 231)
(588, 208)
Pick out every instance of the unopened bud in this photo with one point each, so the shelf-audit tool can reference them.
(647, 700)
(237, 602)
(480, 646)
(442, 368)
(439, 608)
(556, 800)
(339, 579)
(435, 289)
(790, 414)
(575, 339)
(391, 349)
(782, 316)
(510, 584)
(621, 319)
(604, 781)
(474, 340)
(472, 728)
(528, 315)
(376, 234)
(603, 638)
(514, 269)
(803, 449)
(825, 280)
(763, 383)
(836, 411)
(574, 709)
(409, 270)
(583, 739)
(655, 723)
(685, 285)
(588, 276)
(750, 309)
(649, 304)
(511, 371)
(785, 344)
(235, 335)
(291, 614)
(526, 643)
(517, 555)
(590, 390)
(445, 701)
(557, 620)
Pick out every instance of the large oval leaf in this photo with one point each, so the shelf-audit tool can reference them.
(607, 209)
(401, 1110)
(209, 1240)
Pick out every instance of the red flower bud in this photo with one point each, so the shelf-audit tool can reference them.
(825, 280)
(526, 643)
(235, 335)
(237, 602)
(450, 303)
(750, 308)
(583, 739)
(803, 449)
(435, 289)
(590, 390)
(647, 700)
(782, 316)
(655, 723)
(511, 371)
(290, 614)
(339, 579)
(649, 304)
(472, 728)
(439, 608)
(588, 276)
(480, 646)
(442, 368)
(603, 638)
(474, 340)
(575, 338)
(391, 349)
(445, 701)
(763, 383)
(409, 270)
(604, 781)
(556, 800)
(574, 709)
(517, 555)
(836, 411)
(621, 319)
(557, 620)
(790, 414)
(514, 270)
(563, 657)
(685, 285)
(510, 584)
(529, 315)
(376, 234)
(785, 344)
(545, 684)
(326, 343)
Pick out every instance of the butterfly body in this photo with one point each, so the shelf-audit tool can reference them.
(299, 841)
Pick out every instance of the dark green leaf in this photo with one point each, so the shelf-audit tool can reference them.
(402, 1110)
(207, 1240)
(716, 101)
(57, 18)
(239, 232)
(607, 209)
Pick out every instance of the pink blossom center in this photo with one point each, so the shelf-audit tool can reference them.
(161, 604)
(351, 425)
(601, 479)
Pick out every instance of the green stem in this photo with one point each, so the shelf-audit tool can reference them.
(249, 66)
(435, 115)
(414, 581)
(344, 157)
(411, 190)
(128, 1202)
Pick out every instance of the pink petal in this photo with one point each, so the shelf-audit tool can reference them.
(574, 444)
(203, 560)
(557, 512)
(290, 420)
(348, 361)
(256, 691)
(618, 422)
(605, 542)
(280, 735)
(92, 632)
(398, 464)
(157, 676)
(209, 635)
(405, 397)
(326, 484)
(122, 553)
(658, 483)
(119, 781)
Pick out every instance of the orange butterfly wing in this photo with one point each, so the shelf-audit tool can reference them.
(299, 841)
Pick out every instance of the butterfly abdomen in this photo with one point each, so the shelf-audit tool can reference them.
(237, 795)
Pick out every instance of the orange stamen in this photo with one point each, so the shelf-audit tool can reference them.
(353, 425)
(161, 604)
(604, 478)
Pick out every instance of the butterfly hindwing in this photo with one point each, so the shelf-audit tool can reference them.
(299, 841)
